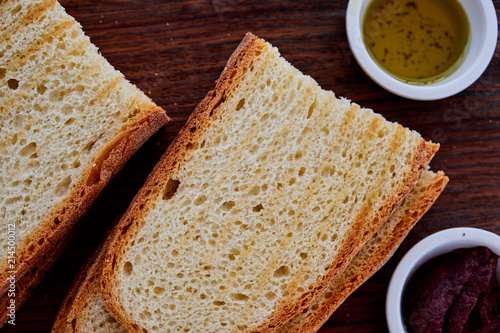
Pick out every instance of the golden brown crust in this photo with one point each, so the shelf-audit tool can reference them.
(176, 154)
(348, 282)
(106, 163)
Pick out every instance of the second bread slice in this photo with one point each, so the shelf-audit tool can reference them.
(372, 256)
(265, 196)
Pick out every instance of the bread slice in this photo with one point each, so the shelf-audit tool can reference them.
(88, 313)
(24, 287)
(372, 256)
(68, 123)
(264, 197)
(60, 325)
(82, 309)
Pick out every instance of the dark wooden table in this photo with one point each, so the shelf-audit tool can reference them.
(175, 50)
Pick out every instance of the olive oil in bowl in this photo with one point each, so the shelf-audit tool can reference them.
(416, 41)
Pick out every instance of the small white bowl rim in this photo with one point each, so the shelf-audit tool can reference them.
(432, 246)
(428, 92)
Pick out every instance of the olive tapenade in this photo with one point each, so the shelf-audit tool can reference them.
(455, 292)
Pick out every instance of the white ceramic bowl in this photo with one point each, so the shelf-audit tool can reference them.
(428, 248)
(483, 38)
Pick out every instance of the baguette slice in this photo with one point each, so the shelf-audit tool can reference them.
(372, 256)
(88, 314)
(68, 122)
(265, 196)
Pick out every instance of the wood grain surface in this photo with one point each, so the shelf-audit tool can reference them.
(175, 51)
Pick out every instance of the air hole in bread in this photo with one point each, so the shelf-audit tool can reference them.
(254, 190)
(128, 268)
(61, 46)
(13, 84)
(88, 146)
(258, 208)
(74, 34)
(264, 118)
(200, 200)
(233, 74)
(13, 139)
(228, 205)
(219, 303)
(63, 186)
(311, 110)
(241, 103)
(239, 297)
(69, 121)
(2, 73)
(16, 9)
(29, 149)
(281, 272)
(299, 84)
(41, 89)
(159, 291)
(170, 189)
(221, 100)
(125, 228)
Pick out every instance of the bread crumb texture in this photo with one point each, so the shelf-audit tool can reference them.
(60, 102)
(258, 211)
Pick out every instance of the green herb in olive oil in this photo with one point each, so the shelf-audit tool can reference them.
(416, 41)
